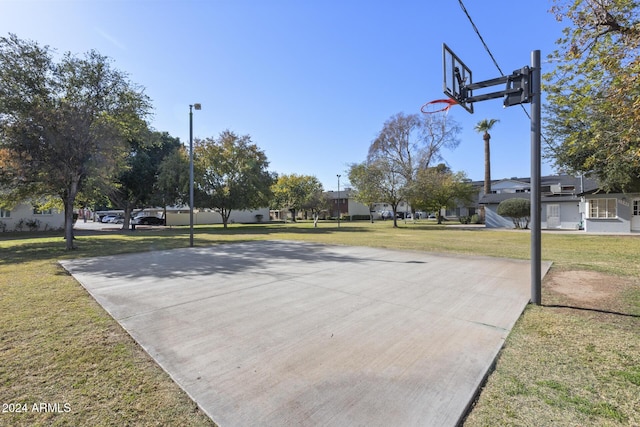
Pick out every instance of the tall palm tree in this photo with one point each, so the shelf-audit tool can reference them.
(485, 126)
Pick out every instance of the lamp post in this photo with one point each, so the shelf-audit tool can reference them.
(338, 200)
(197, 107)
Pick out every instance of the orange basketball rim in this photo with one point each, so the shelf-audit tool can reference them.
(438, 105)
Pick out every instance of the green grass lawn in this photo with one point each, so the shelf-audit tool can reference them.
(567, 362)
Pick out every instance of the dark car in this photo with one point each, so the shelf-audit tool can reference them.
(149, 220)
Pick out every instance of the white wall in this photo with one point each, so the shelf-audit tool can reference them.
(357, 208)
(570, 215)
(24, 213)
(620, 224)
(208, 217)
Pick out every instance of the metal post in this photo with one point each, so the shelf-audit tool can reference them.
(338, 200)
(197, 107)
(536, 274)
(190, 176)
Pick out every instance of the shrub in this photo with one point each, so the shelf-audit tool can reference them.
(33, 224)
(517, 209)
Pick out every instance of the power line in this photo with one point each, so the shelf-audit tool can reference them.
(464, 9)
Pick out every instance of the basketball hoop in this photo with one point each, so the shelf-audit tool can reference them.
(437, 106)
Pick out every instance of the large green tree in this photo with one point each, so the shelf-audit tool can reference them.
(231, 174)
(62, 122)
(592, 94)
(136, 186)
(173, 178)
(295, 192)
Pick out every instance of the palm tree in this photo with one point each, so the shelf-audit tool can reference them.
(485, 126)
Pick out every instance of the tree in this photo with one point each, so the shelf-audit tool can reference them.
(61, 123)
(407, 144)
(438, 188)
(485, 126)
(366, 185)
(591, 112)
(317, 203)
(293, 192)
(136, 185)
(173, 178)
(232, 174)
(517, 209)
(379, 181)
(410, 142)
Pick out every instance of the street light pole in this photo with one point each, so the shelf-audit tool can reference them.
(197, 107)
(338, 200)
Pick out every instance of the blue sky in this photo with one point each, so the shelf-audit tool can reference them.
(312, 82)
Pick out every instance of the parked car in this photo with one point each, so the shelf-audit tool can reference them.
(148, 220)
(386, 214)
(107, 218)
(117, 219)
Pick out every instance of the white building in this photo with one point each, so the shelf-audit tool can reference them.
(26, 217)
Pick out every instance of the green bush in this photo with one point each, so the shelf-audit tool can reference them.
(33, 224)
(517, 209)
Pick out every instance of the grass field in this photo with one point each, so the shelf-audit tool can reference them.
(573, 361)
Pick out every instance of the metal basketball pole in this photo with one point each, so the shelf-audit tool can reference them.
(522, 86)
(536, 251)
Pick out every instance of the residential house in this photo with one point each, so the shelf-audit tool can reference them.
(569, 203)
(342, 203)
(26, 217)
(611, 212)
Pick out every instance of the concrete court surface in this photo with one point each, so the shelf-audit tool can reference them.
(280, 333)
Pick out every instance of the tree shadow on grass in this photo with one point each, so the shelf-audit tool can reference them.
(260, 257)
(23, 247)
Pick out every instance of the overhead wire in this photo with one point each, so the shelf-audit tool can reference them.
(464, 9)
(486, 47)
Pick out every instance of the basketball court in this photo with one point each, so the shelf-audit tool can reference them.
(280, 333)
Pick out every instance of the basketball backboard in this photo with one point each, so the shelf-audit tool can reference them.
(456, 76)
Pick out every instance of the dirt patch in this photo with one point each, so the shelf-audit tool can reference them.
(587, 288)
(584, 286)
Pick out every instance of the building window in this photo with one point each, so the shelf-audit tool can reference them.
(603, 208)
(4, 213)
(38, 211)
